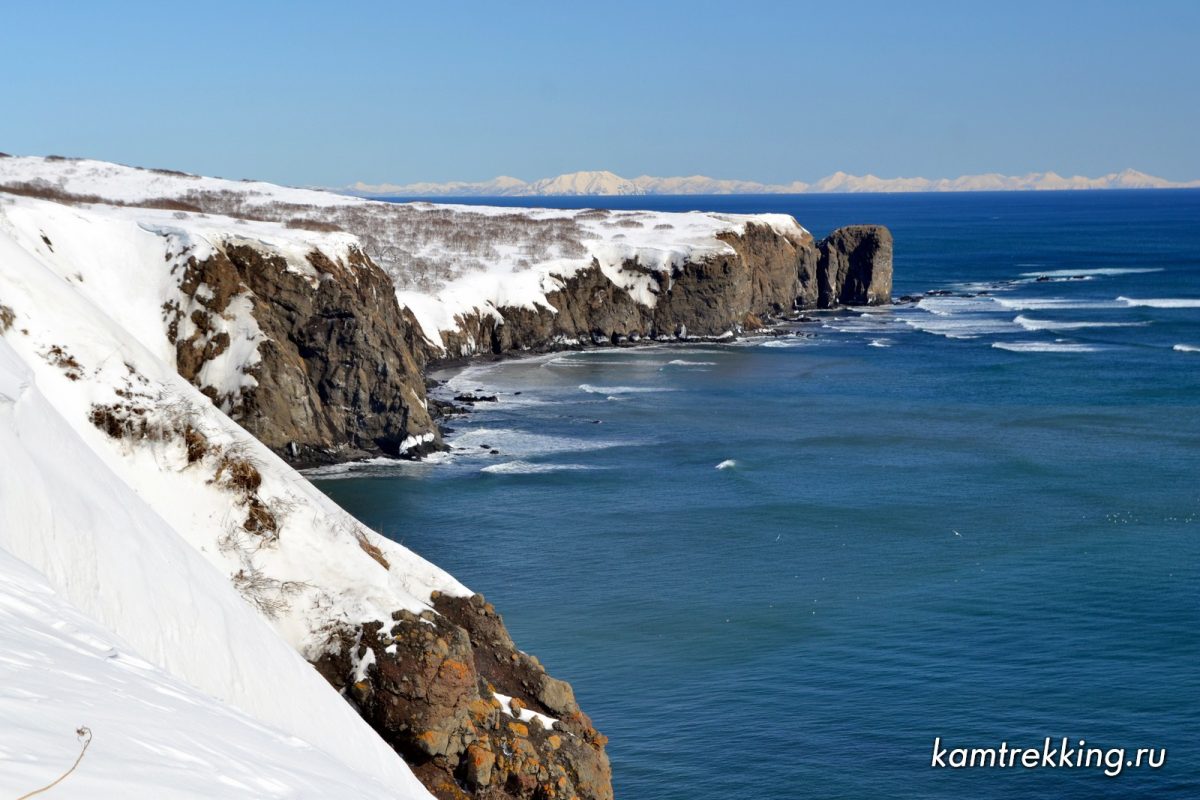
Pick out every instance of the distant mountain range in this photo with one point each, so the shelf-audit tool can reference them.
(608, 183)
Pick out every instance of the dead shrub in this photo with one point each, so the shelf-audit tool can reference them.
(196, 444)
(42, 189)
(7, 318)
(59, 357)
(371, 549)
(269, 595)
(107, 419)
(260, 519)
(170, 204)
(238, 473)
(309, 224)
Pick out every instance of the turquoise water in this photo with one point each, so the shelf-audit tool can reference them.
(920, 534)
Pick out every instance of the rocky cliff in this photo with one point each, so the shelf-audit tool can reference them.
(308, 319)
(338, 375)
(339, 362)
(764, 274)
(474, 716)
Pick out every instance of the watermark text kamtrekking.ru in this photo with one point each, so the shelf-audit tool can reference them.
(1053, 754)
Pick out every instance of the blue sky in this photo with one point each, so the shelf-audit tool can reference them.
(328, 93)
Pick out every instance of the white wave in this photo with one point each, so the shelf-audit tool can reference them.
(520, 444)
(951, 304)
(1042, 278)
(983, 286)
(1047, 347)
(728, 463)
(1102, 271)
(568, 361)
(966, 326)
(1187, 348)
(880, 343)
(609, 390)
(784, 341)
(1054, 304)
(526, 468)
(1056, 325)
(1161, 302)
(374, 467)
(679, 362)
(863, 323)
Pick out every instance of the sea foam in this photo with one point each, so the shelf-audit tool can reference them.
(527, 468)
(1161, 302)
(613, 390)
(1088, 273)
(1047, 347)
(1059, 325)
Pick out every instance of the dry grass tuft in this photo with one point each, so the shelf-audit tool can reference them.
(371, 549)
(196, 444)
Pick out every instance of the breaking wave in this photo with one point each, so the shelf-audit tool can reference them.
(1088, 273)
(614, 390)
(526, 468)
(1047, 347)
(1161, 302)
(1056, 325)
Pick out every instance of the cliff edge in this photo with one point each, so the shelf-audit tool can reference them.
(160, 309)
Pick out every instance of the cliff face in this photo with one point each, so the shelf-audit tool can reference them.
(855, 267)
(474, 716)
(289, 328)
(337, 374)
(766, 274)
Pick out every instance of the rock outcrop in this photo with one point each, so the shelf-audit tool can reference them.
(472, 714)
(290, 328)
(855, 267)
(338, 374)
(767, 275)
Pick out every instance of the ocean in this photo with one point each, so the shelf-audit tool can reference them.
(781, 567)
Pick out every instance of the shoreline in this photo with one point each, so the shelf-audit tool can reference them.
(422, 454)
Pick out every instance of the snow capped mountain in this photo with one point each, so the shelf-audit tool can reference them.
(584, 183)
(607, 183)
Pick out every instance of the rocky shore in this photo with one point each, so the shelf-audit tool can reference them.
(286, 309)
(341, 366)
(341, 376)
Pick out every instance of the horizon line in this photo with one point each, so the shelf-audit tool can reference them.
(601, 183)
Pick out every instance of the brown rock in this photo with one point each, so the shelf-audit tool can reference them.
(479, 763)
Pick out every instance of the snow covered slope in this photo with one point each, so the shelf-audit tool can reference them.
(626, 245)
(150, 511)
(153, 736)
(446, 261)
